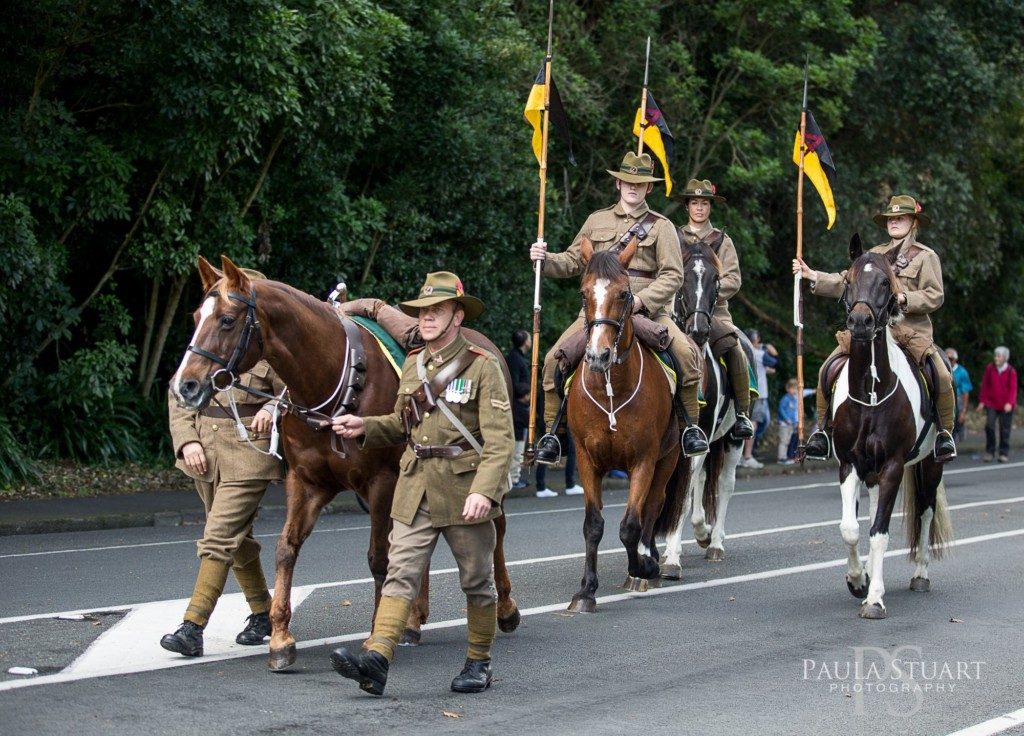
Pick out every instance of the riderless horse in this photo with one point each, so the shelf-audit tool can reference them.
(330, 365)
(883, 433)
(621, 416)
(712, 476)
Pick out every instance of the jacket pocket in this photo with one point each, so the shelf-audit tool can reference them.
(467, 462)
(606, 236)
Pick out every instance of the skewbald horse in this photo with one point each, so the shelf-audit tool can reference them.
(241, 321)
(621, 416)
(883, 443)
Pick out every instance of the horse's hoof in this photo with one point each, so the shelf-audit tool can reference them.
(510, 623)
(582, 605)
(703, 543)
(861, 592)
(282, 659)
(635, 585)
(671, 572)
(920, 585)
(654, 581)
(410, 638)
(714, 554)
(662, 559)
(872, 611)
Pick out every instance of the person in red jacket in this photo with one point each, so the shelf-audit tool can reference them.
(998, 398)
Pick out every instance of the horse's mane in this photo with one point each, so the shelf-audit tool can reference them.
(605, 265)
(702, 250)
(310, 302)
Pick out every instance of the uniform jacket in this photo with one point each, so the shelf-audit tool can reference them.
(227, 456)
(447, 482)
(729, 280)
(659, 253)
(921, 280)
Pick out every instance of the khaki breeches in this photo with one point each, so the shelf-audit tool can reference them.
(231, 507)
(411, 546)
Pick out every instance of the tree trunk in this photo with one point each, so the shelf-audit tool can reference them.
(170, 311)
(147, 340)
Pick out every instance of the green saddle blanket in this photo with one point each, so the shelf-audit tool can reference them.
(391, 347)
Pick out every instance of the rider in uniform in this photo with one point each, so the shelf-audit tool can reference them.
(655, 275)
(920, 275)
(453, 412)
(698, 196)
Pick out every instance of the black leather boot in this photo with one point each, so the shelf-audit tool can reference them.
(369, 669)
(819, 446)
(744, 428)
(945, 447)
(257, 628)
(549, 450)
(187, 640)
(694, 441)
(474, 678)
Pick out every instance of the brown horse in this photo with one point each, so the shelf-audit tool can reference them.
(883, 435)
(241, 321)
(621, 416)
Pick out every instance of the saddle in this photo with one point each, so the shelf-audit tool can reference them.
(927, 381)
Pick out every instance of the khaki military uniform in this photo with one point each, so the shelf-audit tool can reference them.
(431, 491)
(722, 326)
(656, 274)
(231, 490)
(921, 280)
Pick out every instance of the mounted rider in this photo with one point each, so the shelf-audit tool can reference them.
(698, 197)
(919, 273)
(655, 275)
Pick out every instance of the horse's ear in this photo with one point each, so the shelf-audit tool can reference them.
(856, 247)
(208, 274)
(586, 250)
(237, 280)
(892, 255)
(628, 252)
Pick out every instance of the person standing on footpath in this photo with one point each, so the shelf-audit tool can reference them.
(998, 398)
(962, 387)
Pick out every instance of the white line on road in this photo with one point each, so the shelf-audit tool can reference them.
(754, 492)
(517, 563)
(994, 725)
(537, 610)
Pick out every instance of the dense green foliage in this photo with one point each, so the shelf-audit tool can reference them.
(375, 140)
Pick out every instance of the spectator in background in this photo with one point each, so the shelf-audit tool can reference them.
(998, 397)
(572, 487)
(788, 420)
(962, 388)
(765, 360)
(519, 368)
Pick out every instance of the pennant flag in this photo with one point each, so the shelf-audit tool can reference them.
(558, 119)
(656, 136)
(818, 165)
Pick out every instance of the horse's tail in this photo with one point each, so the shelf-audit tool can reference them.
(712, 472)
(914, 493)
(675, 497)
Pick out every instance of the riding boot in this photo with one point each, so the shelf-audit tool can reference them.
(945, 408)
(693, 440)
(370, 667)
(819, 444)
(739, 377)
(549, 448)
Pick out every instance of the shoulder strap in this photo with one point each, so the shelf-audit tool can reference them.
(903, 259)
(447, 374)
(640, 230)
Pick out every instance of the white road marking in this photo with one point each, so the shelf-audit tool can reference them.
(578, 509)
(537, 610)
(994, 725)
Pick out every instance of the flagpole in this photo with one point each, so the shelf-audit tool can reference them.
(797, 291)
(643, 100)
(538, 266)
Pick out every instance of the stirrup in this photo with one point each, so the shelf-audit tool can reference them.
(944, 458)
(828, 445)
(703, 437)
(546, 459)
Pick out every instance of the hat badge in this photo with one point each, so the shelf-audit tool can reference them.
(633, 169)
(895, 208)
(698, 191)
(428, 290)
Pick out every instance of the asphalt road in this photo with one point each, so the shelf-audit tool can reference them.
(760, 642)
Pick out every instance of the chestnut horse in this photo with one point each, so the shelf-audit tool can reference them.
(241, 321)
(712, 476)
(883, 435)
(621, 416)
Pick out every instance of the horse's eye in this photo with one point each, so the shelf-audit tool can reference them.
(226, 321)
(623, 294)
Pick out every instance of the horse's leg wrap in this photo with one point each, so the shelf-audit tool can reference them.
(213, 574)
(392, 613)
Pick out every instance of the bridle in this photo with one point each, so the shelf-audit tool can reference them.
(687, 313)
(252, 325)
(880, 324)
(619, 325)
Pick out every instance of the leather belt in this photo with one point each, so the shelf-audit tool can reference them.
(244, 410)
(447, 451)
(637, 273)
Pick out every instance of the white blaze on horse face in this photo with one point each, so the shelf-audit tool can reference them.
(600, 296)
(868, 267)
(698, 268)
(205, 311)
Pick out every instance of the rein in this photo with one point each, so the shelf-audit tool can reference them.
(619, 359)
(619, 325)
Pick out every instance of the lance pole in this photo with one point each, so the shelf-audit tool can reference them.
(643, 100)
(797, 291)
(538, 266)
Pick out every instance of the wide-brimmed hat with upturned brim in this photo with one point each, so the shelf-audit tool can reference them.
(902, 204)
(700, 189)
(636, 169)
(442, 286)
